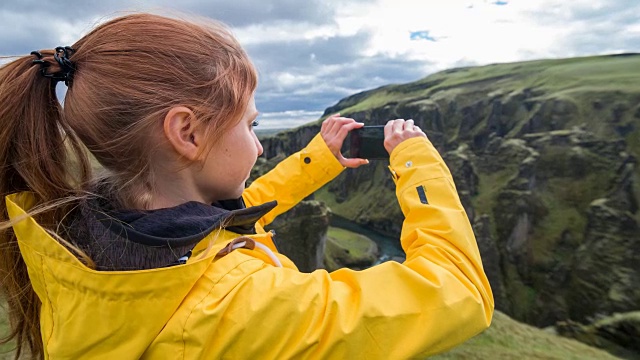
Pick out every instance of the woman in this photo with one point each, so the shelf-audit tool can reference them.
(166, 256)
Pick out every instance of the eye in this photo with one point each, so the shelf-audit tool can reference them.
(255, 123)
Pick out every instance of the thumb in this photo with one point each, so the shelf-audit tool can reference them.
(353, 163)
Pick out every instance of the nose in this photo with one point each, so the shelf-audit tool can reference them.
(258, 144)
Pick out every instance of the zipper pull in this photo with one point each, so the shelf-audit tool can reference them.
(273, 239)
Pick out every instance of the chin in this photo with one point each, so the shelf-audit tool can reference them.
(240, 191)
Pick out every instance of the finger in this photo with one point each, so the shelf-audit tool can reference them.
(323, 127)
(353, 162)
(388, 128)
(338, 123)
(344, 120)
(331, 124)
(346, 128)
(408, 125)
(326, 124)
(398, 124)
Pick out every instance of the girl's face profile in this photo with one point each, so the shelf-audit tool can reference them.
(228, 165)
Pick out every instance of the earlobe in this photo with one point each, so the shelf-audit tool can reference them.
(180, 131)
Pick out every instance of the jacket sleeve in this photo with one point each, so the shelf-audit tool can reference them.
(435, 300)
(293, 179)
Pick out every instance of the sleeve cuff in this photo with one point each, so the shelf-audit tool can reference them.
(317, 161)
(416, 153)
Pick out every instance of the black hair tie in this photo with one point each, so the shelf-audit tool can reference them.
(61, 56)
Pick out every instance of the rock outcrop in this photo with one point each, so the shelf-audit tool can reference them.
(617, 334)
(301, 234)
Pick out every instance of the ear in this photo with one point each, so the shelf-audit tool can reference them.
(180, 129)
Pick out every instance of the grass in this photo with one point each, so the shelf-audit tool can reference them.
(357, 244)
(574, 79)
(344, 246)
(489, 185)
(509, 339)
(376, 99)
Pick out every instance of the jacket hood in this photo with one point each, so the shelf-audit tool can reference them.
(124, 239)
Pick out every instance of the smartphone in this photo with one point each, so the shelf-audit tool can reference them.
(367, 142)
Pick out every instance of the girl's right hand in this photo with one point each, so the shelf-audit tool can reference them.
(399, 130)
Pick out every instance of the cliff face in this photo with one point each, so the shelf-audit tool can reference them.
(544, 158)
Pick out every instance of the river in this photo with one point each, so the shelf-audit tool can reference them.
(388, 246)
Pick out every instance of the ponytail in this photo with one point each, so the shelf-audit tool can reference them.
(34, 156)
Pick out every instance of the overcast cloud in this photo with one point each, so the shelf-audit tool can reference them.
(311, 54)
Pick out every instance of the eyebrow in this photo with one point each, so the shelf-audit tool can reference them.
(255, 115)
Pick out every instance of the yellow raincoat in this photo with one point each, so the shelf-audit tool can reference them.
(241, 306)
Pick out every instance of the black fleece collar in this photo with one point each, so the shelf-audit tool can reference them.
(182, 225)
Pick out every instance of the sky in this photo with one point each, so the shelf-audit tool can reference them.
(310, 54)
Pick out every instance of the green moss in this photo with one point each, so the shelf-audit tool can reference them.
(489, 185)
(509, 339)
(633, 144)
(357, 244)
(523, 296)
(346, 248)
(567, 185)
(560, 220)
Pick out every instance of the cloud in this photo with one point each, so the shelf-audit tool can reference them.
(235, 13)
(29, 24)
(239, 13)
(314, 74)
(311, 55)
(592, 27)
(329, 84)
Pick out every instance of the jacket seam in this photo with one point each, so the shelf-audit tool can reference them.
(46, 290)
(184, 344)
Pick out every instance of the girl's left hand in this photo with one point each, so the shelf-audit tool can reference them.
(334, 130)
